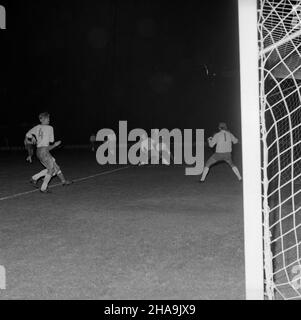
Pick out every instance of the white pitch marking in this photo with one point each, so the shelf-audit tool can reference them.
(59, 184)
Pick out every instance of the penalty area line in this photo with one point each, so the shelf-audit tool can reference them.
(59, 184)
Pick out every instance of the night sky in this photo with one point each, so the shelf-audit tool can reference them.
(93, 63)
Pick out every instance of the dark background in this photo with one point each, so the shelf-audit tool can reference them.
(93, 63)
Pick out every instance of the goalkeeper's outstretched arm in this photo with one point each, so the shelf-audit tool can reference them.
(234, 140)
(212, 141)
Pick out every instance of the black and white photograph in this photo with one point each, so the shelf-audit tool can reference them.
(150, 150)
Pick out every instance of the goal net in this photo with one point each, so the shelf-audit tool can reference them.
(279, 40)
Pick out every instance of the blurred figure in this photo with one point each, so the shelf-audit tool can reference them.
(147, 149)
(29, 144)
(92, 141)
(162, 148)
(112, 143)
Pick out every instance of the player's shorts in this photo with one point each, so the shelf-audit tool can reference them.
(48, 161)
(217, 157)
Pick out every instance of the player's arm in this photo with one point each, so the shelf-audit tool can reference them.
(212, 141)
(54, 145)
(51, 135)
(27, 140)
(31, 135)
(233, 139)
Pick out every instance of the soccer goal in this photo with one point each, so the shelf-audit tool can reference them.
(270, 63)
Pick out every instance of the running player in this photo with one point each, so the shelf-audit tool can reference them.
(223, 141)
(45, 136)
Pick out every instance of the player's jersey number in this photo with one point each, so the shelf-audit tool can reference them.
(40, 134)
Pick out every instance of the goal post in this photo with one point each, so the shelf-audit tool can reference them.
(270, 66)
(251, 148)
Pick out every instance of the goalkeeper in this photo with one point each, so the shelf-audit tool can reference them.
(223, 141)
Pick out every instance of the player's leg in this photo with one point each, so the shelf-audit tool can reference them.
(36, 177)
(58, 172)
(212, 160)
(153, 153)
(47, 178)
(165, 156)
(233, 166)
(237, 173)
(144, 157)
(164, 161)
(163, 153)
(47, 160)
(64, 181)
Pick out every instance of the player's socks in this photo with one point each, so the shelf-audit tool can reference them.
(63, 180)
(34, 183)
(45, 182)
(45, 191)
(61, 176)
(39, 175)
(67, 183)
(205, 172)
(236, 171)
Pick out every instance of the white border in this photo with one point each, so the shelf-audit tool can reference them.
(250, 115)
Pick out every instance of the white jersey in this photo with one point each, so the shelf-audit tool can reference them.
(223, 141)
(43, 134)
(112, 137)
(161, 146)
(28, 141)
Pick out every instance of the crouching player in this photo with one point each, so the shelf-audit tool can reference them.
(45, 136)
(147, 150)
(223, 141)
(161, 148)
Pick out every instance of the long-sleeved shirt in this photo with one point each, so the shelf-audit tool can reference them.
(223, 141)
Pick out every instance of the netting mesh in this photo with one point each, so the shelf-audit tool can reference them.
(279, 29)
